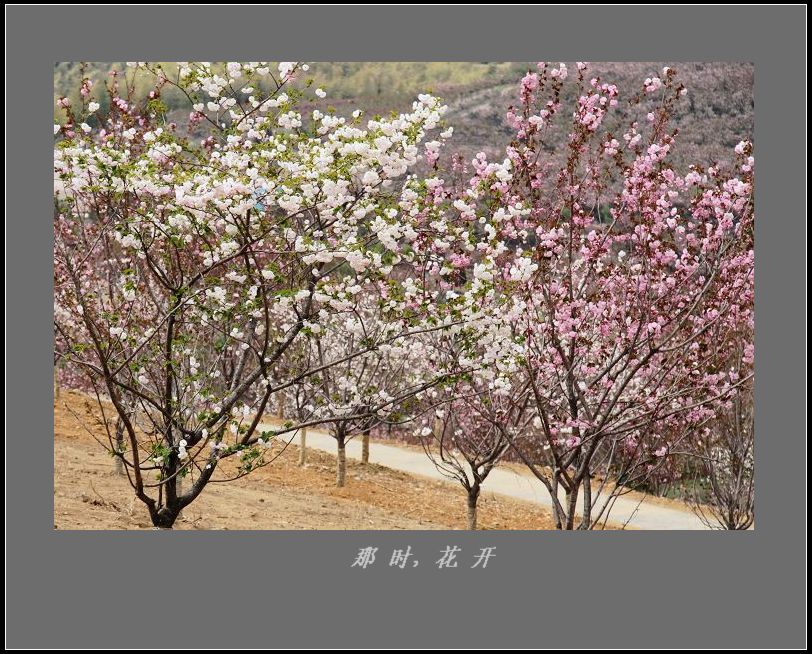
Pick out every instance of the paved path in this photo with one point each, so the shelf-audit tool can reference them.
(507, 482)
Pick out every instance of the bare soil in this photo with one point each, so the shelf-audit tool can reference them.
(89, 495)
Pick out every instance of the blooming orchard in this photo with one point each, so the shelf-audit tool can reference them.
(578, 315)
(622, 323)
(188, 265)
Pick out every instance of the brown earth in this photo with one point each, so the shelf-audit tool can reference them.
(89, 495)
(521, 469)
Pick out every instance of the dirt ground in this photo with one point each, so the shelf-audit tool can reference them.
(89, 495)
(521, 469)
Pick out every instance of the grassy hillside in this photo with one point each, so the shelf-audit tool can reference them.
(394, 81)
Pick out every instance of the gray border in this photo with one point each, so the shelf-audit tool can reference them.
(275, 589)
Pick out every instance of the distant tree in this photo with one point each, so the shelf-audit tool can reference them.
(363, 392)
(461, 439)
(727, 467)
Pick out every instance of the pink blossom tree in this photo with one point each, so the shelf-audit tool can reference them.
(726, 470)
(621, 267)
(461, 436)
(723, 454)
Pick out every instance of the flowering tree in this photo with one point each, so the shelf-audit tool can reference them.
(187, 265)
(365, 391)
(580, 309)
(298, 400)
(727, 467)
(620, 268)
(724, 450)
(484, 396)
(463, 444)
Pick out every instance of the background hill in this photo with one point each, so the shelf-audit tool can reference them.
(718, 111)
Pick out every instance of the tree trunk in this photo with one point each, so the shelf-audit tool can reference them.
(557, 513)
(586, 519)
(179, 491)
(303, 447)
(280, 407)
(365, 447)
(571, 502)
(56, 382)
(473, 496)
(341, 464)
(119, 461)
(163, 518)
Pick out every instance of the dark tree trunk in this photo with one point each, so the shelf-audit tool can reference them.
(571, 503)
(119, 444)
(557, 513)
(586, 519)
(164, 518)
(473, 497)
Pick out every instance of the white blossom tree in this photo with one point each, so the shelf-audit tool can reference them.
(186, 266)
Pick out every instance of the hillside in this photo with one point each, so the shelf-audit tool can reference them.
(718, 111)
